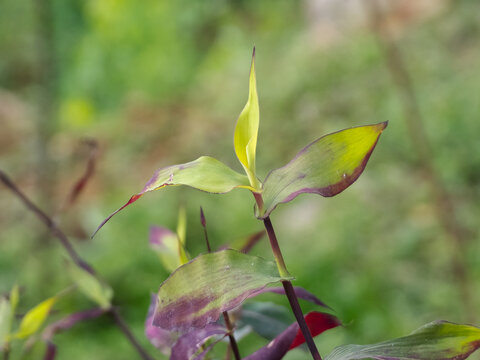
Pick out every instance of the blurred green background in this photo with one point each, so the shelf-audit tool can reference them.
(162, 82)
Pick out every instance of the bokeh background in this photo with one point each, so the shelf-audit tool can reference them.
(159, 82)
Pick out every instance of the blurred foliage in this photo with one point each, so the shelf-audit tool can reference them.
(161, 82)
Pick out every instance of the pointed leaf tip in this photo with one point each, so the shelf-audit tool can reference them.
(326, 167)
(206, 174)
(246, 130)
(202, 218)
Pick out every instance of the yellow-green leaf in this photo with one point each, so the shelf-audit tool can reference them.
(206, 174)
(90, 286)
(168, 247)
(246, 130)
(5, 320)
(439, 340)
(326, 167)
(182, 235)
(35, 318)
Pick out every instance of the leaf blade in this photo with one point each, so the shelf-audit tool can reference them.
(246, 129)
(434, 341)
(35, 318)
(205, 173)
(326, 167)
(199, 291)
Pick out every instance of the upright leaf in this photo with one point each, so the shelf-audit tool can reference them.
(326, 167)
(199, 291)
(90, 286)
(246, 130)
(5, 320)
(439, 340)
(205, 173)
(35, 318)
(182, 235)
(166, 244)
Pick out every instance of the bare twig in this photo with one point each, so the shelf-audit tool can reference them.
(60, 235)
(444, 203)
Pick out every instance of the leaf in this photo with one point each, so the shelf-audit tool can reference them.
(292, 337)
(35, 318)
(199, 291)
(158, 337)
(166, 244)
(206, 174)
(5, 320)
(438, 340)
(188, 344)
(182, 235)
(326, 167)
(246, 130)
(267, 319)
(90, 286)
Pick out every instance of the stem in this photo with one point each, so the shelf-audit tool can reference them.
(445, 207)
(287, 285)
(129, 335)
(60, 235)
(233, 342)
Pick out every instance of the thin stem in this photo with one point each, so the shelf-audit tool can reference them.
(287, 285)
(60, 235)
(445, 207)
(129, 335)
(233, 342)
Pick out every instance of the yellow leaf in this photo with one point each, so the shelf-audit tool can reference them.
(246, 131)
(35, 318)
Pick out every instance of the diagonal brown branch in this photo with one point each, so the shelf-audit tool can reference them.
(60, 235)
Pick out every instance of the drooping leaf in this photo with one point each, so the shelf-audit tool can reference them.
(246, 130)
(199, 291)
(205, 173)
(439, 340)
(158, 337)
(189, 343)
(166, 244)
(326, 167)
(299, 291)
(292, 336)
(90, 286)
(35, 318)
(265, 318)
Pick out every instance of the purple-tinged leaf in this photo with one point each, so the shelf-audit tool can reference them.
(299, 291)
(292, 336)
(199, 291)
(439, 340)
(205, 173)
(189, 343)
(326, 167)
(69, 321)
(167, 245)
(160, 338)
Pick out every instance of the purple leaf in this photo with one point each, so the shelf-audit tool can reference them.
(160, 338)
(188, 344)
